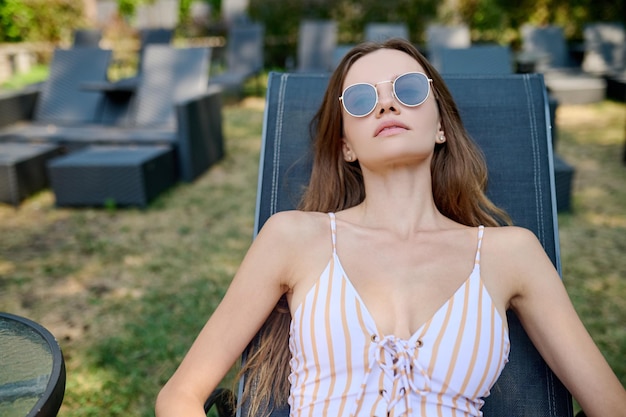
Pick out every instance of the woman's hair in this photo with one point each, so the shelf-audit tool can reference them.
(459, 179)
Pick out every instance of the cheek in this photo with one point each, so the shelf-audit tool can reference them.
(352, 129)
(428, 118)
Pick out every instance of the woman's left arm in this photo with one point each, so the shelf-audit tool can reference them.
(548, 316)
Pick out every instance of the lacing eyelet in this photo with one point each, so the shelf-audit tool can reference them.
(419, 343)
(374, 338)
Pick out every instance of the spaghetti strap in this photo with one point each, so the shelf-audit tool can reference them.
(333, 231)
(481, 231)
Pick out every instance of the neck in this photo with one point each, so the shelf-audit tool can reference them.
(401, 200)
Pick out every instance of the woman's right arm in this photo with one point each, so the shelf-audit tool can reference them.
(257, 286)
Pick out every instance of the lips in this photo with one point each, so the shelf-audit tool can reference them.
(389, 127)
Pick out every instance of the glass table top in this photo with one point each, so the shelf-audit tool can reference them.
(26, 365)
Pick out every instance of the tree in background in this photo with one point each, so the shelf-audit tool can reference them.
(489, 20)
(499, 20)
(39, 20)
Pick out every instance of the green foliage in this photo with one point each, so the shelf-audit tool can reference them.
(38, 20)
(14, 18)
(487, 15)
(185, 7)
(282, 19)
(354, 15)
(490, 20)
(127, 8)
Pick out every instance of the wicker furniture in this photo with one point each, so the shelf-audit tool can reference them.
(172, 106)
(381, 31)
(564, 77)
(476, 59)
(317, 40)
(87, 37)
(23, 170)
(120, 176)
(244, 57)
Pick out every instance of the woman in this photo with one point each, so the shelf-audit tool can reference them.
(386, 294)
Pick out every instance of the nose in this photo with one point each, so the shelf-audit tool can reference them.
(387, 102)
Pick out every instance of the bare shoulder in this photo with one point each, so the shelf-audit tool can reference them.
(295, 232)
(512, 237)
(513, 257)
(299, 240)
(295, 225)
(513, 247)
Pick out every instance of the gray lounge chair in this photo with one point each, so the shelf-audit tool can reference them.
(446, 37)
(516, 143)
(317, 40)
(153, 36)
(171, 106)
(61, 98)
(87, 37)
(147, 37)
(381, 31)
(605, 55)
(442, 36)
(547, 46)
(565, 80)
(59, 101)
(476, 59)
(605, 48)
(244, 56)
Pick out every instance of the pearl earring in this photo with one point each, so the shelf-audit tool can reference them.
(441, 138)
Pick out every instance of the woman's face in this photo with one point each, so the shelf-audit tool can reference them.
(392, 133)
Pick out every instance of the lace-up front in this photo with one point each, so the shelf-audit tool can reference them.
(397, 359)
(343, 366)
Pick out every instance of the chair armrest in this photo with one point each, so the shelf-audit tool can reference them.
(224, 401)
(200, 142)
(17, 106)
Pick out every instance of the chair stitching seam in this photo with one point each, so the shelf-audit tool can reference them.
(277, 143)
(536, 161)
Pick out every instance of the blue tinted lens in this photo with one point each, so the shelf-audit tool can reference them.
(359, 99)
(412, 89)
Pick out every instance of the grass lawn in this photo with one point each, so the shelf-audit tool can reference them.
(36, 74)
(126, 291)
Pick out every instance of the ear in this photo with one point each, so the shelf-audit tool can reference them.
(441, 135)
(348, 153)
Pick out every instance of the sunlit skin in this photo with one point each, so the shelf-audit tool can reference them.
(413, 129)
(402, 255)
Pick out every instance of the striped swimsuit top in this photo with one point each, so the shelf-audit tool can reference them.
(341, 365)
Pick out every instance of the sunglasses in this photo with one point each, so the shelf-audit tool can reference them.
(410, 89)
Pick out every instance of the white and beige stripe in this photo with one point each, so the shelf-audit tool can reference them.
(342, 366)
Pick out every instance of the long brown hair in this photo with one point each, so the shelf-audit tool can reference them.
(459, 179)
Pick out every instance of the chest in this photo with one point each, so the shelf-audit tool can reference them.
(403, 285)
